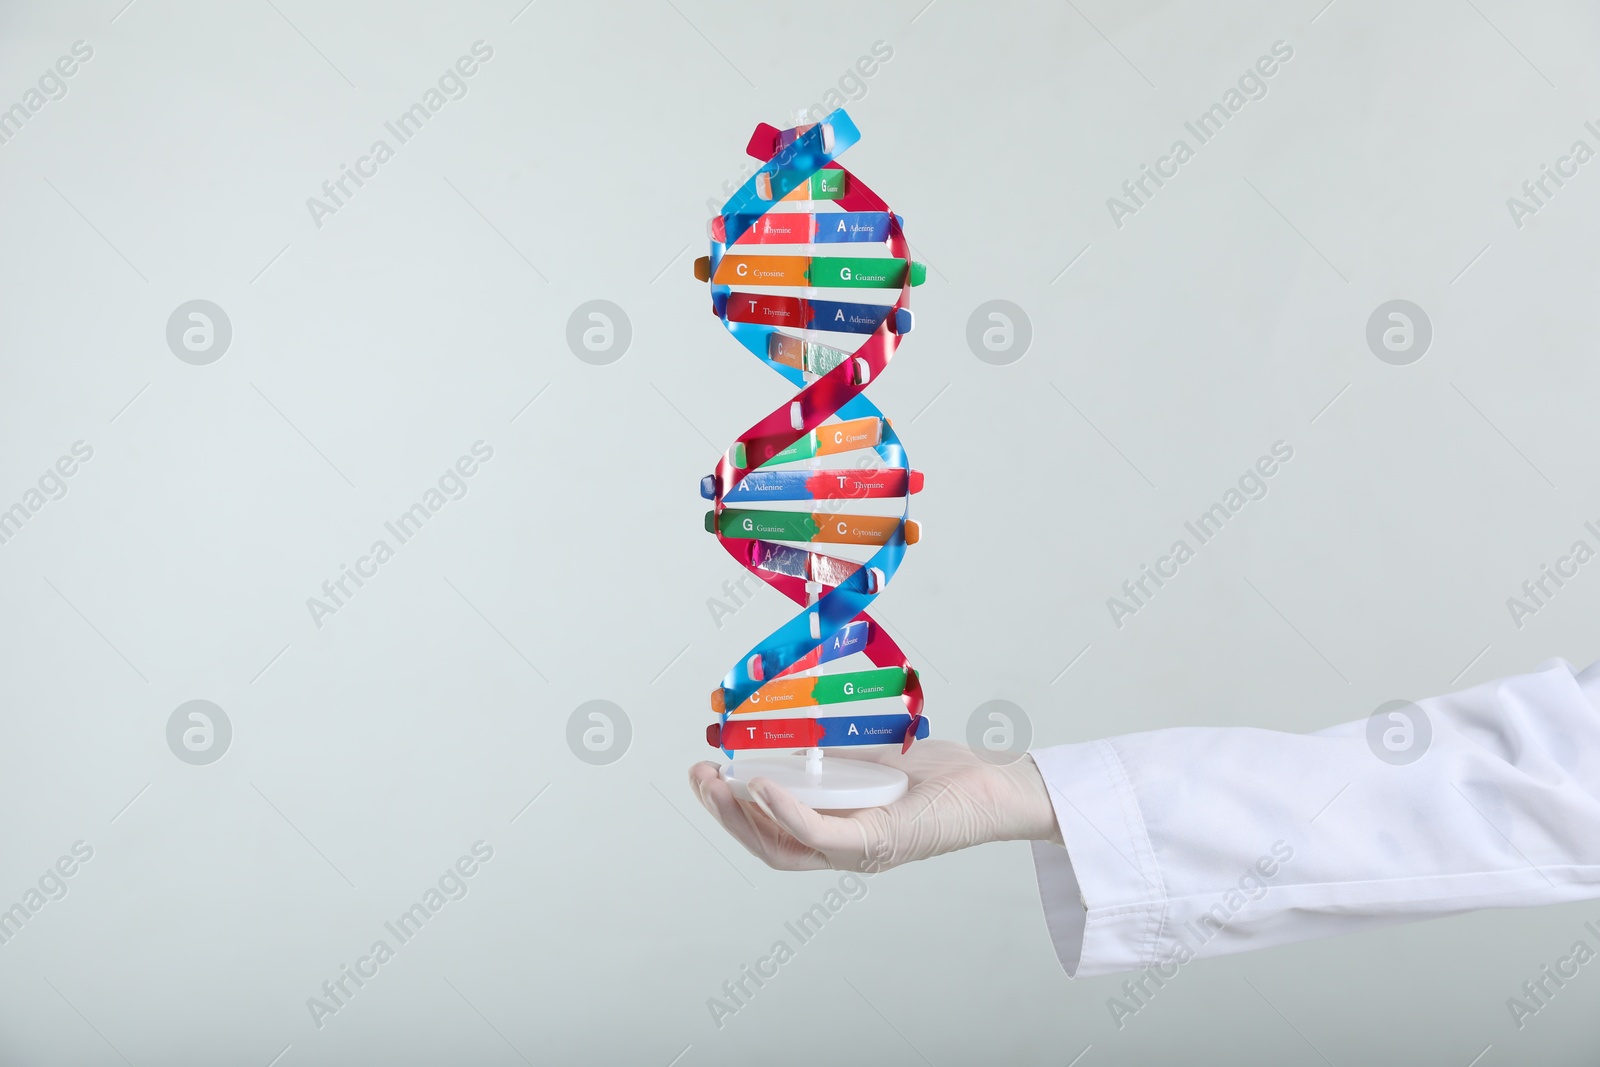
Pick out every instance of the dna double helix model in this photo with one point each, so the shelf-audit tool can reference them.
(828, 445)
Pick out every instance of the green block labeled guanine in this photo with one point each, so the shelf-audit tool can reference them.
(823, 185)
(827, 184)
(859, 685)
(863, 272)
(772, 525)
(805, 448)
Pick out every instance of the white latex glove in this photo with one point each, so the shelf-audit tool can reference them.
(956, 800)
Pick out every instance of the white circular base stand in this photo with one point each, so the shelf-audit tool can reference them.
(838, 784)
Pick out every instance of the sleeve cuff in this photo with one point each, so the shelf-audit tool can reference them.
(1589, 682)
(1104, 901)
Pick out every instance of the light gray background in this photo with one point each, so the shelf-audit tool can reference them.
(369, 354)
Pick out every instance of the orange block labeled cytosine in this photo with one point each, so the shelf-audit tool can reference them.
(861, 529)
(762, 270)
(848, 435)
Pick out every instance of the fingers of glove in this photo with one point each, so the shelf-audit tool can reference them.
(700, 775)
(780, 849)
(828, 834)
(734, 817)
(760, 836)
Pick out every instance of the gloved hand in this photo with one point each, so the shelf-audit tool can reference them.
(956, 800)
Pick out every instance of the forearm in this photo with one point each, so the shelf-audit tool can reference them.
(1196, 842)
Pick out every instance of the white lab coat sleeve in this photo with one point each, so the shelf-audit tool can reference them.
(1193, 842)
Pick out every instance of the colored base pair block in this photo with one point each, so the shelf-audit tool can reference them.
(808, 356)
(823, 185)
(857, 637)
(803, 566)
(840, 731)
(800, 313)
(830, 272)
(845, 642)
(828, 440)
(853, 484)
(805, 526)
(814, 690)
(804, 228)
